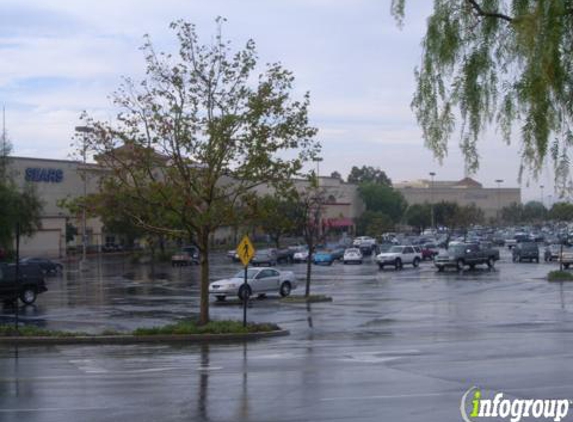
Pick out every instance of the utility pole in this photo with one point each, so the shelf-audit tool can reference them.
(499, 182)
(432, 174)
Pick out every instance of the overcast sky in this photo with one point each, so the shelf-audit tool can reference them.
(61, 57)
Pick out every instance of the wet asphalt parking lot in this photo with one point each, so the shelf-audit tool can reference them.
(392, 346)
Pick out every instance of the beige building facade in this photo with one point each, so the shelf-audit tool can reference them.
(55, 181)
(463, 192)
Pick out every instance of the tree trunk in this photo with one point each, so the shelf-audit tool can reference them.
(308, 269)
(204, 287)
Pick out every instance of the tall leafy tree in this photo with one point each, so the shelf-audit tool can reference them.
(561, 211)
(277, 215)
(534, 211)
(419, 216)
(17, 206)
(368, 174)
(198, 133)
(503, 61)
(383, 198)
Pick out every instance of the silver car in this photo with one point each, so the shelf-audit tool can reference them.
(260, 281)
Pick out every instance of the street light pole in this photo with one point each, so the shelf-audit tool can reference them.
(499, 182)
(542, 197)
(83, 263)
(432, 174)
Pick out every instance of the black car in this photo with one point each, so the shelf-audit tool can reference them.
(31, 283)
(526, 251)
(46, 265)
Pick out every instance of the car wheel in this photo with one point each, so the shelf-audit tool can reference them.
(537, 260)
(440, 268)
(416, 262)
(220, 298)
(460, 264)
(490, 262)
(381, 266)
(566, 266)
(28, 296)
(398, 264)
(472, 266)
(244, 293)
(285, 289)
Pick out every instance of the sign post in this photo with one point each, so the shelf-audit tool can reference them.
(246, 251)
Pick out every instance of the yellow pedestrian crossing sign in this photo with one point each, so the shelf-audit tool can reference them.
(245, 250)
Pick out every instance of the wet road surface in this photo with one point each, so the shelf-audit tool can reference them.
(394, 345)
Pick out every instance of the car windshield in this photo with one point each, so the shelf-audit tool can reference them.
(352, 250)
(250, 274)
(458, 248)
(396, 249)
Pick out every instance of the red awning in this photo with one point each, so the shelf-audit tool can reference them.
(339, 222)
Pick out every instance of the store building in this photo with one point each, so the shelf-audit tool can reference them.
(56, 181)
(463, 192)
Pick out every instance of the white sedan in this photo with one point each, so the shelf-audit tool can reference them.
(260, 281)
(352, 255)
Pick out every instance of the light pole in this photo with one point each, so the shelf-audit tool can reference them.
(542, 200)
(83, 263)
(499, 182)
(432, 174)
(318, 218)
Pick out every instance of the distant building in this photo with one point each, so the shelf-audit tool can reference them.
(463, 192)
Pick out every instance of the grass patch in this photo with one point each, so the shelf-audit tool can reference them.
(560, 276)
(8, 330)
(213, 327)
(179, 328)
(304, 299)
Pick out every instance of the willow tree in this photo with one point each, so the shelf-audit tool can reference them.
(503, 62)
(197, 135)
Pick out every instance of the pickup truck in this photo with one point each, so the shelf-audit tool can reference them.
(189, 255)
(31, 283)
(460, 255)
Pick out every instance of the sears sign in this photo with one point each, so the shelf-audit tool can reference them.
(35, 174)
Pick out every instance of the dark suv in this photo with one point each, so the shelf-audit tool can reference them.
(31, 283)
(526, 251)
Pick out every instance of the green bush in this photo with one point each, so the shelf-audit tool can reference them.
(560, 276)
(213, 327)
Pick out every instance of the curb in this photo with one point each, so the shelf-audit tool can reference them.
(130, 339)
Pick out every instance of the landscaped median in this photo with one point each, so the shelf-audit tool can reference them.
(186, 331)
(560, 275)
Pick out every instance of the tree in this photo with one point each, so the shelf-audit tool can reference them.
(17, 206)
(507, 61)
(512, 214)
(336, 175)
(561, 211)
(277, 215)
(419, 216)
(534, 211)
(445, 214)
(367, 174)
(197, 135)
(467, 216)
(383, 198)
(310, 200)
(374, 223)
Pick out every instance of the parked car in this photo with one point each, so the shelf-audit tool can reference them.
(366, 244)
(429, 250)
(188, 255)
(323, 257)
(301, 256)
(30, 283)
(460, 255)
(233, 255)
(352, 255)
(552, 252)
(265, 257)
(566, 257)
(260, 281)
(285, 255)
(397, 256)
(525, 251)
(47, 266)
